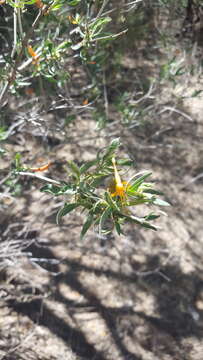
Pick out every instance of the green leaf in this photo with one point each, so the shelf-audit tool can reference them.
(18, 161)
(58, 190)
(106, 36)
(125, 162)
(2, 151)
(147, 225)
(105, 215)
(87, 165)
(67, 208)
(196, 93)
(20, 4)
(85, 188)
(138, 201)
(118, 228)
(69, 119)
(111, 149)
(141, 222)
(73, 2)
(97, 179)
(86, 226)
(64, 45)
(110, 201)
(98, 205)
(75, 169)
(138, 182)
(55, 7)
(51, 189)
(67, 190)
(152, 191)
(160, 202)
(180, 71)
(78, 45)
(98, 25)
(3, 133)
(151, 216)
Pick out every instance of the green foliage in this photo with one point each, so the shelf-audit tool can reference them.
(64, 30)
(88, 190)
(169, 3)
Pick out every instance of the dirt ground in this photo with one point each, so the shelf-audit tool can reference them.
(134, 297)
(138, 296)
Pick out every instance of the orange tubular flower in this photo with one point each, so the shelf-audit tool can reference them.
(32, 53)
(85, 102)
(29, 91)
(39, 4)
(42, 168)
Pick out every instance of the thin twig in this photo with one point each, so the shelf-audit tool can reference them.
(105, 2)
(12, 127)
(19, 57)
(199, 176)
(5, 178)
(37, 176)
(20, 22)
(131, 5)
(106, 103)
(145, 96)
(169, 108)
(111, 36)
(21, 343)
(14, 30)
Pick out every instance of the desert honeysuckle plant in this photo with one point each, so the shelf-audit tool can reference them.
(97, 189)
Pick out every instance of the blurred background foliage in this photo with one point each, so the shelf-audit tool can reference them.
(88, 63)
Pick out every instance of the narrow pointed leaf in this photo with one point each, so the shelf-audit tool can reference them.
(110, 201)
(125, 162)
(58, 190)
(105, 216)
(152, 191)
(160, 202)
(87, 165)
(111, 149)
(67, 208)
(118, 228)
(86, 226)
(142, 222)
(73, 2)
(151, 217)
(75, 169)
(138, 182)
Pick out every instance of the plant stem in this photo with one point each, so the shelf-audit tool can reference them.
(25, 40)
(37, 176)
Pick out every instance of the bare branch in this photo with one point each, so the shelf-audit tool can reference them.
(19, 57)
(169, 108)
(37, 176)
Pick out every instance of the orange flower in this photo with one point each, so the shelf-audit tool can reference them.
(31, 51)
(34, 55)
(39, 4)
(42, 168)
(72, 20)
(29, 91)
(85, 102)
